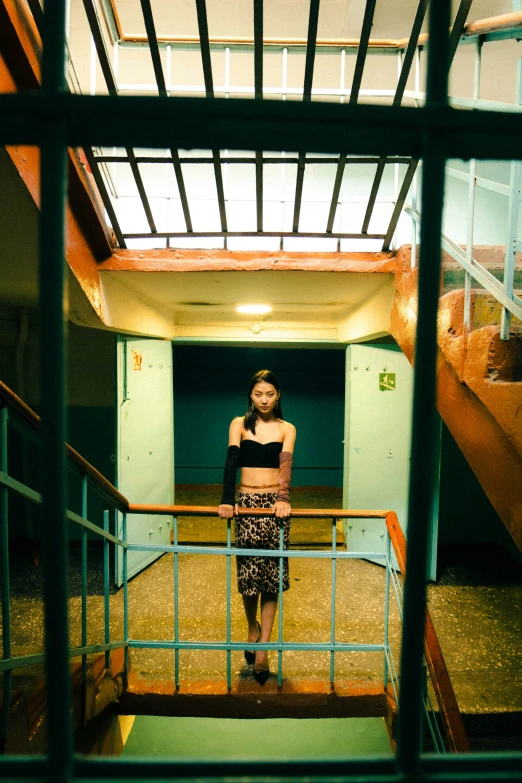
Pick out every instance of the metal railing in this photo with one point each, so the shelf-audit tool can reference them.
(15, 413)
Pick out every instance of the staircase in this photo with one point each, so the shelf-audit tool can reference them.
(479, 378)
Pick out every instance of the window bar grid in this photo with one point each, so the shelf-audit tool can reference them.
(110, 80)
(332, 613)
(176, 603)
(206, 60)
(55, 555)
(354, 95)
(106, 594)
(84, 513)
(4, 564)
(229, 567)
(424, 418)
(397, 100)
(162, 90)
(311, 40)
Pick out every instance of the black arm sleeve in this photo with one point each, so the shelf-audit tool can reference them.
(229, 476)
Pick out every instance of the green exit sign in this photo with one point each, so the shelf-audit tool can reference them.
(387, 381)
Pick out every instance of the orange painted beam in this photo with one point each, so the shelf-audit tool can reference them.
(180, 260)
(87, 237)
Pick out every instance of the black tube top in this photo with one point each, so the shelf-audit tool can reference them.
(253, 454)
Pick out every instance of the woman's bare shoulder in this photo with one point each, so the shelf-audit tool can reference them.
(237, 423)
(288, 426)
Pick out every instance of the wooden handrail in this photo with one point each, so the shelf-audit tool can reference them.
(297, 513)
(33, 420)
(448, 706)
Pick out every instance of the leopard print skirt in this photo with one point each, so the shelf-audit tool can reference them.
(260, 574)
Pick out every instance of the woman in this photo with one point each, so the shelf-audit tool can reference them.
(261, 443)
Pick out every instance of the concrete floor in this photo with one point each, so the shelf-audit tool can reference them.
(475, 607)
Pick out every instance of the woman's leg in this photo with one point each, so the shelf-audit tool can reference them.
(250, 603)
(268, 610)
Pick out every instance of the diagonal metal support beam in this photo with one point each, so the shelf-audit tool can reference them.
(354, 95)
(107, 203)
(457, 29)
(258, 90)
(162, 90)
(397, 100)
(311, 42)
(401, 198)
(110, 80)
(206, 60)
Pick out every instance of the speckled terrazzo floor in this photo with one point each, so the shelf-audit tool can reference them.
(476, 609)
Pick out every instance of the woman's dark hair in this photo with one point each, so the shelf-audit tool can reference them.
(251, 415)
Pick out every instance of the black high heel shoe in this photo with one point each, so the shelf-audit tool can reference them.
(250, 656)
(262, 675)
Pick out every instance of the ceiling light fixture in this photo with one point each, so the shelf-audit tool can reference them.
(254, 309)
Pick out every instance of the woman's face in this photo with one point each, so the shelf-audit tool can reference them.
(264, 396)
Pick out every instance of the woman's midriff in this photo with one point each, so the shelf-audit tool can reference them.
(259, 477)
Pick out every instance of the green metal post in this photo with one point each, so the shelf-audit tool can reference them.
(106, 596)
(52, 380)
(280, 626)
(6, 599)
(176, 604)
(84, 512)
(125, 599)
(332, 618)
(386, 639)
(229, 668)
(425, 418)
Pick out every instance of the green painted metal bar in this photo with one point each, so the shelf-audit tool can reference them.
(223, 550)
(154, 122)
(53, 176)
(511, 239)
(480, 182)
(205, 159)
(229, 566)
(311, 39)
(206, 60)
(4, 576)
(397, 100)
(125, 599)
(84, 594)
(162, 90)
(280, 618)
(332, 607)
(458, 27)
(354, 95)
(31, 494)
(315, 235)
(399, 204)
(176, 604)
(471, 196)
(106, 593)
(154, 644)
(258, 94)
(424, 418)
(386, 638)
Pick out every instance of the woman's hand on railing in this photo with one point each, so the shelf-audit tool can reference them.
(282, 509)
(226, 511)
